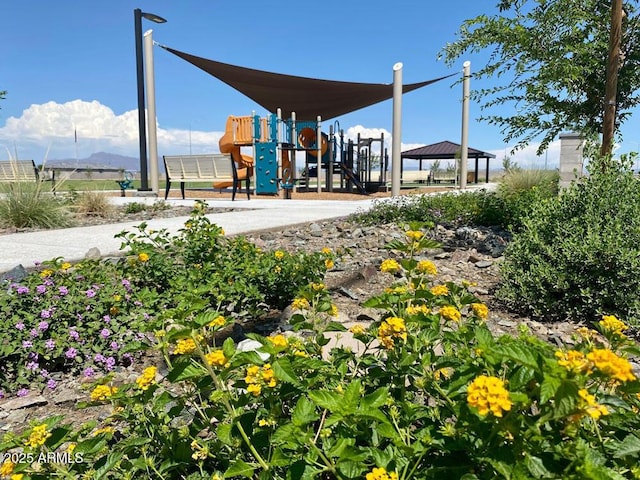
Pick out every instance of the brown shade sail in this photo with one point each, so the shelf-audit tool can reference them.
(307, 97)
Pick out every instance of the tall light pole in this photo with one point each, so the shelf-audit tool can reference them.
(142, 131)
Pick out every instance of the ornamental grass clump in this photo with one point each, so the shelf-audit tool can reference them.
(427, 394)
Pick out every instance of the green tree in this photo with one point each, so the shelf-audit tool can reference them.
(3, 94)
(548, 58)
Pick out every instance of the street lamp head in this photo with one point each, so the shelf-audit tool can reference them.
(153, 17)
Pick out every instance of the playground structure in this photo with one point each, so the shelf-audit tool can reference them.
(275, 143)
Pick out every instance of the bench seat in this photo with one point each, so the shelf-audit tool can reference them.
(216, 167)
(18, 171)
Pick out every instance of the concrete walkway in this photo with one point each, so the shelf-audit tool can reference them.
(253, 215)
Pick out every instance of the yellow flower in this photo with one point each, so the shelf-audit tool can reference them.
(390, 266)
(254, 389)
(46, 273)
(147, 378)
(379, 473)
(487, 394)
(399, 290)
(590, 406)
(219, 321)
(610, 323)
(317, 287)
(279, 254)
(572, 360)
(268, 376)
(222, 232)
(143, 257)
(444, 372)
(328, 263)
(216, 358)
(279, 341)
(417, 309)
(103, 392)
(6, 468)
(426, 266)
(414, 235)
(390, 329)
(300, 304)
(439, 290)
(65, 266)
(357, 329)
(300, 353)
(103, 430)
(186, 345)
(252, 374)
(333, 311)
(17, 476)
(450, 313)
(480, 310)
(612, 365)
(326, 251)
(586, 333)
(38, 436)
(199, 452)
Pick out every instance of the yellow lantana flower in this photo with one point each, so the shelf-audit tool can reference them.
(216, 358)
(103, 392)
(488, 395)
(379, 473)
(38, 436)
(480, 310)
(184, 346)
(610, 323)
(611, 365)
(147, 378)
(300, 304)
(390, 266)
(450, 313)
(439, 290)
(143, 257)
(278, 341)
(219, 321)
(426, 266)
(414, 235)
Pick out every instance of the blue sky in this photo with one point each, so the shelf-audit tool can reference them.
(71, 66)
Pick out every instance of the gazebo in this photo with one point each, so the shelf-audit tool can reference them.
(447, 151)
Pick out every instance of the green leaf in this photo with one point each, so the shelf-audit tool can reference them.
(224, 433)
(112, 460)
(284, 371)
(536, 467)
(548, 388)
(304, 412)
(566, 399)
(375, 399)
(630, 446)
(229, 348)
(331, 401)
(239, 468)
(351, 398)
(185, 370)
(335, 327)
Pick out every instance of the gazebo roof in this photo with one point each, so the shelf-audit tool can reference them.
(443, 151)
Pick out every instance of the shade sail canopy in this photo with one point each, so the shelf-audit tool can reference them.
(307, 97)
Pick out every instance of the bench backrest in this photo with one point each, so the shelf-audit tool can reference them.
(18, 171)
(216, 165)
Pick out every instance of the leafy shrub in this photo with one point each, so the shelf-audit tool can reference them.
(88, 318)
(26, 205)
(519, 190)
(431, 394)
(463, 208)
(577, 255)
(135, 207)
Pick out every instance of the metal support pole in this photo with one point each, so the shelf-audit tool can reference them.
(151, 105)
(396, 133)
(464, 143)
(142, 132)
(319, 153)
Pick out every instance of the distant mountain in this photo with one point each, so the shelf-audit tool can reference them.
(99, 160)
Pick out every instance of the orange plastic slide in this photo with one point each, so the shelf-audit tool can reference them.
(227, 145)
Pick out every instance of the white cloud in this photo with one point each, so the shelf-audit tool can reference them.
(49, 131)
(528, 158)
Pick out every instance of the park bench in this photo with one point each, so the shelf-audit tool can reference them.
(416, 176)
(216, 167)
(444, 176)
(18, 171)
